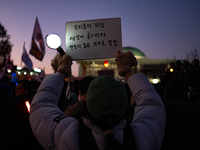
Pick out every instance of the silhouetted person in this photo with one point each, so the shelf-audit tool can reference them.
(176, 90)
(182, 130)
(20, 135)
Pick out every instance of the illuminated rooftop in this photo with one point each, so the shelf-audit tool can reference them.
(138, 53)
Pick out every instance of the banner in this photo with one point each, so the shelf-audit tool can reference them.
(37, 50)
(26, 59)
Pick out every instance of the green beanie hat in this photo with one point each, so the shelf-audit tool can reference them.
(106, 99)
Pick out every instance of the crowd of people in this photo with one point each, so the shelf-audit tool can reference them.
(15, 129)
(180, 91)
(182, 82)
(101, 112)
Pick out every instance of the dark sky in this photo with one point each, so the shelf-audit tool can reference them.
(161, 29)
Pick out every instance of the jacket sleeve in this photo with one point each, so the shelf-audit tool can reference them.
(61, 134)
(148, 124)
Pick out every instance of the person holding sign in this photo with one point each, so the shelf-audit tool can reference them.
(104, 126)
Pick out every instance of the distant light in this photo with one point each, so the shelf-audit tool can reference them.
(155, 81)
(19, 68)
(13, 74)
(106, 64)
(19, 72)
(28, 106)
(31, 73)
(171, 70)
(25, 73)
(37, 70)
(9, 71)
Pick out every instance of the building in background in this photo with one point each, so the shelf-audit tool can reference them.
(152, 68)
(24, 73)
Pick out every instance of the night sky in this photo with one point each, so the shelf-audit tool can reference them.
(161, 29)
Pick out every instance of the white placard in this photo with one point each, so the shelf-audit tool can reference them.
(93, 39)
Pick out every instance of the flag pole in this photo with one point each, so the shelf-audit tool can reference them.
(21, 63)
(22, 54)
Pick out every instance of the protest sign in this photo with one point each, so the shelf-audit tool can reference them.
(93, 39)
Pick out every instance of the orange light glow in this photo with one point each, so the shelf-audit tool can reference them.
(106, 64)
(28, 106)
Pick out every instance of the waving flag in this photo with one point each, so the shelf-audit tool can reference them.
(26, 59)
(37, 46)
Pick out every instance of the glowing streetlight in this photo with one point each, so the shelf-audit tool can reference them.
(38, 70)
(19, 68)
(171, 70)
(9, 71)
(155, 81)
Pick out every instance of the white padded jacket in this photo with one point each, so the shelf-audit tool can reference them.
(148, 124)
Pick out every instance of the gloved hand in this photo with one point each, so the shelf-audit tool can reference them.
(62, 64)
(124, 62)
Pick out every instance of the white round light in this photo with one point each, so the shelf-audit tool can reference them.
(37, 70)
(155, 81)
(19, 68)
(53, 41)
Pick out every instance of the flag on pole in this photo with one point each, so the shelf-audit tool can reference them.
(26, 59)
(37, 43)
